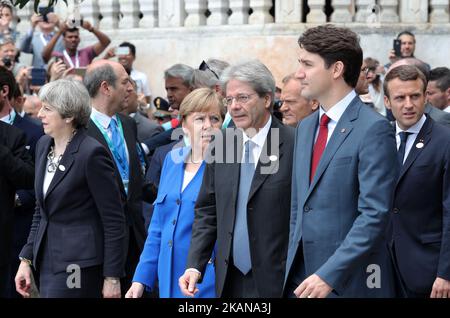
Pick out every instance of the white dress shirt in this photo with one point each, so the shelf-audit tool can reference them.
(258, 141)
(104, 121)
(335, 113)
(414, 130)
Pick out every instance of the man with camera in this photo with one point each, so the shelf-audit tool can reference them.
(35, 41)
(71, 55)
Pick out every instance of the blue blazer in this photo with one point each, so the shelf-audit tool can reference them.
(169, 236)
(339, 219)
(419, 231)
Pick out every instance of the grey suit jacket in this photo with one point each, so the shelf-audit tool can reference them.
(339, 219)
(438, 115)
(146, 128)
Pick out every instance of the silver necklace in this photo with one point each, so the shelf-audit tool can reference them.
(53, 164)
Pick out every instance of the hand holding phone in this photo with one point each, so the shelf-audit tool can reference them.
(122, 50)
(397, 47)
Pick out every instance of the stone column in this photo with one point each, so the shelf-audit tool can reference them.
(149, 9)
(90, 11)
(341, 13)
(219, 14)
(171, 13)
(414, 11)
(22, 22)
(260, 13)
(316, 13)
(288, 11)
(195, 10)
(364, 10)
(439, 11)
(239, 13)
(389, 11)
(110, 12)
(130, 14)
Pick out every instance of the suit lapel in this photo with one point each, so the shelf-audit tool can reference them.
(66, 161)
(423, 137)
(95, 132)
(306, 138)
(269, 159)
(341, 131)
(41, 166)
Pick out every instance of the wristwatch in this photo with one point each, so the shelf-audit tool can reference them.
(26, 260)
(113, 280)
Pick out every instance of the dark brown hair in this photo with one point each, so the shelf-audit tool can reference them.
(404, 73)
(335, 44)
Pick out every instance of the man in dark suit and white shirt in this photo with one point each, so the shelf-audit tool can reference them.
(342, 177)
(419, 231)
(243, 205)
(109, 86)
(16, 172)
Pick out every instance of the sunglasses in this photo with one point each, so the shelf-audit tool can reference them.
(204, 66)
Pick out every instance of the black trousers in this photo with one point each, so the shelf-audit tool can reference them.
(238, 285)
(61, 285)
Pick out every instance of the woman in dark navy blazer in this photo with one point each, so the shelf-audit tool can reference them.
(169, 235)
(76, 241)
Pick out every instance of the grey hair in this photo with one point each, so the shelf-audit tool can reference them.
(203, 79)
(94, 78)
(218, 66)
(183, 71)
(288, 78)
(70, 99)
(255, 74)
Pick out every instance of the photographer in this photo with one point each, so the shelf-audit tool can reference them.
(72, 56)
(6, 17)
(35, 41)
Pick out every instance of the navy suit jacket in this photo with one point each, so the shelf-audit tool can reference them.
(132, 200)
(81, 214)
(419, 230)
(33, 132)
(338, 221)
(16, 171)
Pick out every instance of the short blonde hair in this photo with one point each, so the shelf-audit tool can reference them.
(201, 100)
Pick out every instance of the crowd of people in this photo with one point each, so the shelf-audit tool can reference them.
(229, 187)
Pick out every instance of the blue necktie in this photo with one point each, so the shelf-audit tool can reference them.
(119, 152)
(401, 150)
(241, 245)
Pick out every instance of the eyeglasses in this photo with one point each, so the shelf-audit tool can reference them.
(241, 99)
(204, 66)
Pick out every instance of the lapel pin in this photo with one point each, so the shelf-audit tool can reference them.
(343, 130)
(27, 147)
(419, 145)
(62, 168)
(273, 158)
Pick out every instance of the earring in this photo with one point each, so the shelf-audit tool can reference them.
(67, 121)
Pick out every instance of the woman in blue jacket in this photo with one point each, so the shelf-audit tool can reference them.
(166, 248)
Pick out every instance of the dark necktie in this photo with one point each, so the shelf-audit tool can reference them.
(241, 244)
(401, 150)
(320, 144)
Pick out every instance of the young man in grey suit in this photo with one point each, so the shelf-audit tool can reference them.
(342, 178)
(419, 231)
(242, 207)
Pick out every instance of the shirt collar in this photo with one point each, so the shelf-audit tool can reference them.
(336, 111)
(260, 137)
(7, 118)
(101, 118)
(414, 129)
